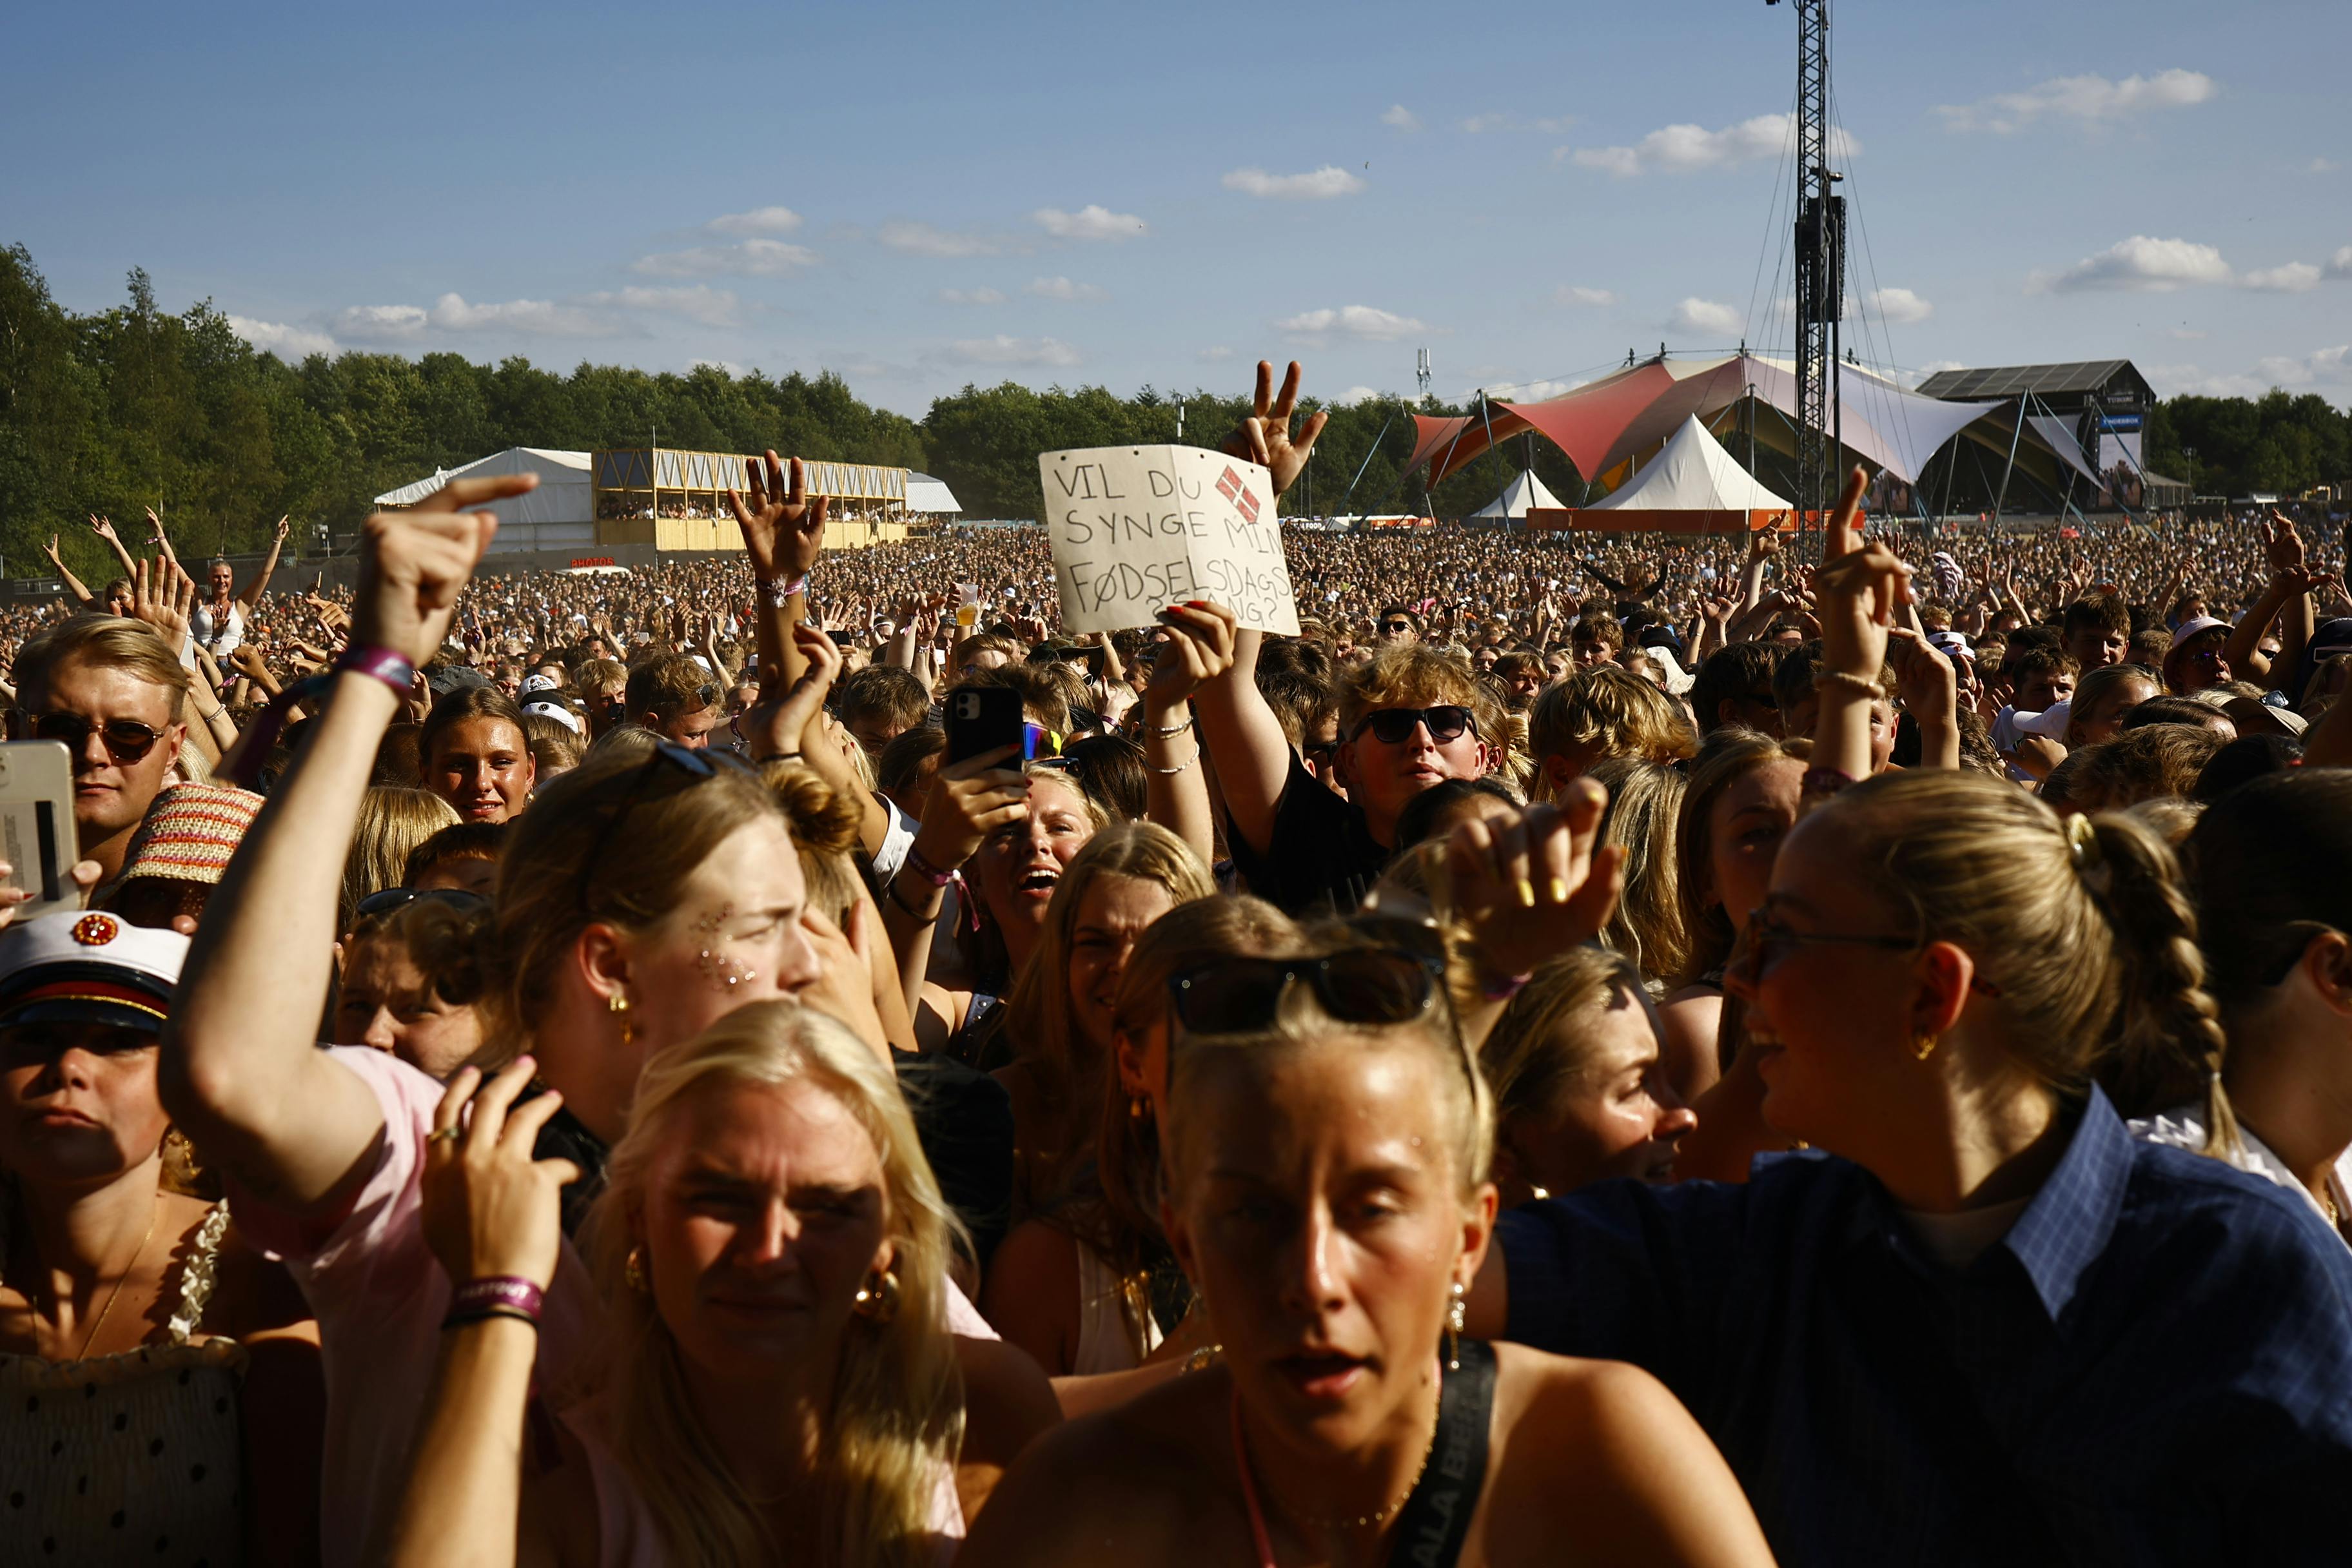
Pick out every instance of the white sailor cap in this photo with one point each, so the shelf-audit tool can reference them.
(91, 967)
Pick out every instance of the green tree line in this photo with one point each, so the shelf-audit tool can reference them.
(135, 406)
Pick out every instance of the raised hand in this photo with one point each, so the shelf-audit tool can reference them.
(1199, 649)
(413, 564)
(164, 596)
(50, 550)
(1859, 586)
(1264, 436)
(782, 524)
(1534, 888)
(278, 535)
(1928, 684)
(778, 722)
(2283, 546)
(102, 527)
(490, 1210)
(968, 801)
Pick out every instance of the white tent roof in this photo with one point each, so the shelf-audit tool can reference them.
(927, 494)
(1522, 493)
(1694, 473)
(560, 513)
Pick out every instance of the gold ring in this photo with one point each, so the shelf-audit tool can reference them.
(438, 1133)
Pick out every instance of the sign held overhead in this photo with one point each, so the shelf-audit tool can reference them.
(1135, 529)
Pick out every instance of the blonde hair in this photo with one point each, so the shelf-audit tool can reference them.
(1037, 1014)
(1646, 926)
(393, 820)
(896, 1415)
(571, 860)
(113, 641)
(2087, 933)
(1465, 1108)
(1537, 1051)
(1406, 675)
(1625, 715)
(824, 822)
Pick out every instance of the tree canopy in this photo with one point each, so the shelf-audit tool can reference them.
(134, 407)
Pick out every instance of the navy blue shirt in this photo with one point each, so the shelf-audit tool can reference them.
(2154, 1365)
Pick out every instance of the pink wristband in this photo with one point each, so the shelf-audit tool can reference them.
(392, 668)
(506, 1291)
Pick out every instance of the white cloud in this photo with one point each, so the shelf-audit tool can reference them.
(1530, 391)
(2089, 99)
(535, 318)
(380, 324)
(1217, 355)
(1354, 322)
(2338, 265)
(2330, 367)
(923, 239)
(1578, 294)
(291, 343)
(2294, 277)
(2143, 265)
(1090, 222)
(1900, 306)
(1401, 118)
(1321, 184)
(1479, 124)
(2322, 166)
(727, 365)
(746, 258)
(1356, 395)
(1063, 289)
(759, 220)
(1933, 367)
(1706, 318)
(701, 302)
(971, 297)
(1685, 149)
(1004, 350)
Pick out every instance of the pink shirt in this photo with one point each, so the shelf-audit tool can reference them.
(380, 1295)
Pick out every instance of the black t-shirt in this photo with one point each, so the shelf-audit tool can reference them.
(1322, 858)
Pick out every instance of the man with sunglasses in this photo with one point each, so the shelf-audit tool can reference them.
(1406, 724)
(676, 698)
(114, 694)
(1396, 624)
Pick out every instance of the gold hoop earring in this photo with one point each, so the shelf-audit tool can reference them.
(634, 1271)
(1924, 1046)
(1457, 1311)
(879, 1300)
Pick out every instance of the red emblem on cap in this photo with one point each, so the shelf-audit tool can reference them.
(96, 931)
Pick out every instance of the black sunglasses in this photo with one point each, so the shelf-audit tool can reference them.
(690, 765)
(125, 740)
(391, 898)
(1363, 985)
(1394, 726)
(1396, 626)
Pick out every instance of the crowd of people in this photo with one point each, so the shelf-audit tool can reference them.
(1827, 1048)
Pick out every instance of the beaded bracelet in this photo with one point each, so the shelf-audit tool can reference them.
(1168, 732)
(1179, 767)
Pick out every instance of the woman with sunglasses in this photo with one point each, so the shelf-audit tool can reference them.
(1326, 1146)
(638, 901)
(2039, 1339)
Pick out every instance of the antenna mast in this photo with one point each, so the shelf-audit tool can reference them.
(1820, 267)
(1420, 372)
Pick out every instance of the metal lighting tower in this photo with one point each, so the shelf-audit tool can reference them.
(1420, 372)
(1819, 267)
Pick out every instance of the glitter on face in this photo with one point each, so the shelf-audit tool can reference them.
(722, 974)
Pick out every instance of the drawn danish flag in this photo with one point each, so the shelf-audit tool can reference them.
(1232, 488)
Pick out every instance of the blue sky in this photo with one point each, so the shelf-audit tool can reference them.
(922, 195)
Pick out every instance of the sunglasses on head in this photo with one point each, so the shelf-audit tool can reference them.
(125, 740)
(1394, 726)
(1363, 985)
(686, 766)
(391, 899)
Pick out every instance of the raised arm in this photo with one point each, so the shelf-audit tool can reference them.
(1198, 649)
(783, 533)
(240, 1072)
(1860, 587)
(74, 587)
(260, 584)
(104, 529)
(160, 540)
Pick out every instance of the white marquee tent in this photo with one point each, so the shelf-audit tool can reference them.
(926, 494)
(561, 514)
(1694, 473)
(1522, 493)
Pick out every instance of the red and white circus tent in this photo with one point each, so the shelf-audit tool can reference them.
(1628, 416)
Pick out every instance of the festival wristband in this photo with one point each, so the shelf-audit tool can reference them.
(506, 1291)
(775, 594)
(385, 665)
(926, 870)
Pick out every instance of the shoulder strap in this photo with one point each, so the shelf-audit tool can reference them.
(1436, 1520)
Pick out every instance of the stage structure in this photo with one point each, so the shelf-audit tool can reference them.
(1692, 486)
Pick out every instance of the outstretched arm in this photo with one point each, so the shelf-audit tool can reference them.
(104, 529)
(254, 590)
(1860, 586)
(80, 593)
(238, 1071)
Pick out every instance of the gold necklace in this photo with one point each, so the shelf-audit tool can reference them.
(90, 1338)
(1379, 1516)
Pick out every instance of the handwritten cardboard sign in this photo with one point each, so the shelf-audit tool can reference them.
(1135, 529)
